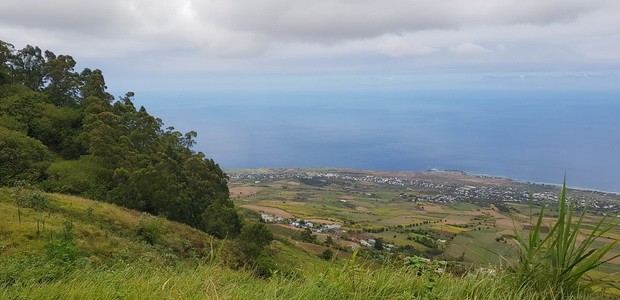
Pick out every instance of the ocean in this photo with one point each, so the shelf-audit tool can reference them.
(529, 136)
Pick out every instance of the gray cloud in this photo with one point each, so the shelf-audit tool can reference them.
(215, 34)
(325, 19)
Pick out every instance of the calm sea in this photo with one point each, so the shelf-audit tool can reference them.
(527, 136)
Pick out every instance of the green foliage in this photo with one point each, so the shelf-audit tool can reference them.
(6, 55)
(18, 273)
(62, 83)
(150, 229)
(94, 146)
(313, 182)
(264, 266)
(327, 254)
(559, 260)
(424, 240)
(21, 157)
(221, 220)
(94, 85)
(430, 270)
(84, 176)
(248, 250)
(27, 67)
(502, 207)
(254, 237)
(11, 123)
(378, 245)
(116, 263)
(62, 246)
(423, 265)
(32, 199)
(329, 241)
(306, 235)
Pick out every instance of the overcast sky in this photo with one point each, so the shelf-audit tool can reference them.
(322, 36)
(185, 57)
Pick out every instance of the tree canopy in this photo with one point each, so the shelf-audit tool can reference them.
(61, 130)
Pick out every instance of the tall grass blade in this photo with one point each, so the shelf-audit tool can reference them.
(557, 263)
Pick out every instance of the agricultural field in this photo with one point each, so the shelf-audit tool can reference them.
(438, 214)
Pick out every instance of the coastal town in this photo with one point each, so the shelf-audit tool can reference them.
(439, 186)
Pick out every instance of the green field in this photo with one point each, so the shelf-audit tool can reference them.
(371, 211)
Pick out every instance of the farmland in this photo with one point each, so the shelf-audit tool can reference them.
(447, 214)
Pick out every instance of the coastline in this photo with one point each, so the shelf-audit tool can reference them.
(432, 170)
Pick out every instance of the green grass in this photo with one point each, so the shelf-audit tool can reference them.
(102, 230)
(481, 247)
(464, 206)
(142, 280)
(123, 254)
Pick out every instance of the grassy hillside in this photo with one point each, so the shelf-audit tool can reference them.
(56, 246)
(101, 231)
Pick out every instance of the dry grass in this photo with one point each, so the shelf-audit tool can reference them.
(268, 210)
(244, 191)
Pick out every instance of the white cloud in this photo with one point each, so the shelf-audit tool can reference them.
(470, 48)
(395, 45)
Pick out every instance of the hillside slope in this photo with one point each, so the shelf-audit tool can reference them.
(56, 246)
(100, 230)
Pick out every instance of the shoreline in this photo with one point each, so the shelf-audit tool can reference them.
(463, 172)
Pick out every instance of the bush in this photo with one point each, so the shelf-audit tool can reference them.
(221, 220)
(305, 236)
(62, 247)
(264, 266)
(29, 198)
(22, 157)
(150, 229)
(34, 200)
(248, 250)
(327, 254)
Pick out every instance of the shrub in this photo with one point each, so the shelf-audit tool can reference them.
(27, 196)
(327, 254)
(150, 229)
(63, 247)
(22, 157)
(264, 266)
(305, 236)
(35, 200)
(248, 250)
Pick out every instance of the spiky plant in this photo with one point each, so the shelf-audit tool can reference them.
(558, 261)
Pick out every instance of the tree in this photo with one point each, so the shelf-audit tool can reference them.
(221, 220)
(248, 250)
(306, 236)
(21, 157)
(63, 83)
(256, 233)
(378, 244)
(104, 149)
(6, 56)
(28, 67)
(93, 85)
